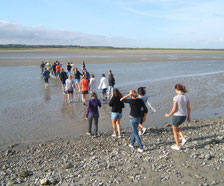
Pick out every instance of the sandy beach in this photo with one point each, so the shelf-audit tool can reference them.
(92, 56)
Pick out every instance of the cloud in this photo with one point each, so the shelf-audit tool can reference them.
(18, 34)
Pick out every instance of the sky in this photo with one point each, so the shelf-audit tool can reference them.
(117, 23)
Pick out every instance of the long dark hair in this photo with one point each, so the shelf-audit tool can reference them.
(181, 88)
(117, 93)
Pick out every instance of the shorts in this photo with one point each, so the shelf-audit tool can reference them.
(85, 92)
(178, 120)
(116, 115)
(46, 80)
(77, 80)
(70, 91)
(142, 116)
(63, 82)
(104, 90)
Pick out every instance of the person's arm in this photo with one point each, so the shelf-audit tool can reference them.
(125, 97)
(87, 110)
(173, 109)
(188, 111)
(149, 104)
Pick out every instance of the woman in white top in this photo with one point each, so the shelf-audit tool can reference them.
(142, 95)
(103, 85)
(92, 84)
(69, 86)
(180, 111)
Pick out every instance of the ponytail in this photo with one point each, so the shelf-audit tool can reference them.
(181, 88)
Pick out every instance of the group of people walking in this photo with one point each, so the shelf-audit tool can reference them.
(138, 111)
(137, 101)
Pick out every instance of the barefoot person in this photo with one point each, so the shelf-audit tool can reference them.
(111, 82)
(180, 111)
(46, 76)
(142, 95)
(69, 87)
(77, 75)
(92, 84)
(136, 106)
(93, 113)
(116, 112)
(84, 83)
(63, 76)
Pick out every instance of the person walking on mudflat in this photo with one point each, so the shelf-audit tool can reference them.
(142, 95)
(180, 111)
(84, 83)
(93, 113)
(46, 76)
(136, 105)
(116, 112)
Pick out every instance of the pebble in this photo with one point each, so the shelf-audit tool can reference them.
(109, 161)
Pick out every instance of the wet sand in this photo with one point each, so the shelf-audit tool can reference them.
(92, 56)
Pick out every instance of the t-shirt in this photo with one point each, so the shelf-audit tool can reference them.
(182, 101)
(58, 68)
(84, 84)
(136, 105)
(69, 83)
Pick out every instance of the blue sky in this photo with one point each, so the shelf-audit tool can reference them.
(122, 23)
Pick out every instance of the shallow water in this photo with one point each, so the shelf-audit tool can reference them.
(29, 112)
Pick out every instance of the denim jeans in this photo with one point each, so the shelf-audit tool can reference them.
(94, 116)
(134, 126)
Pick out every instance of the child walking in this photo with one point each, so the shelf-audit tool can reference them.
(142, 95)
(180, 111)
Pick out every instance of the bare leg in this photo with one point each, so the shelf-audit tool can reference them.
(180, 133)
(176, 137)
(63, 87)
(114, 126)
(69, 97)
(118, 126)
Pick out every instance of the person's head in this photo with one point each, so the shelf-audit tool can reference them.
(84, 77)
(94, 95)
(117, 93)
(103, 75)
(92, 76)
(68, 63)
(180, 88)
(133, 94)
(69, 77)
(141, 91)
(62, 69)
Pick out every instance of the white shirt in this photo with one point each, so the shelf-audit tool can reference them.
(182, 101)
(103, 83)
(145, 98)
(92, 84)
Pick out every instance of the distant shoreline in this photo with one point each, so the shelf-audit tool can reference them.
(100, 56)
